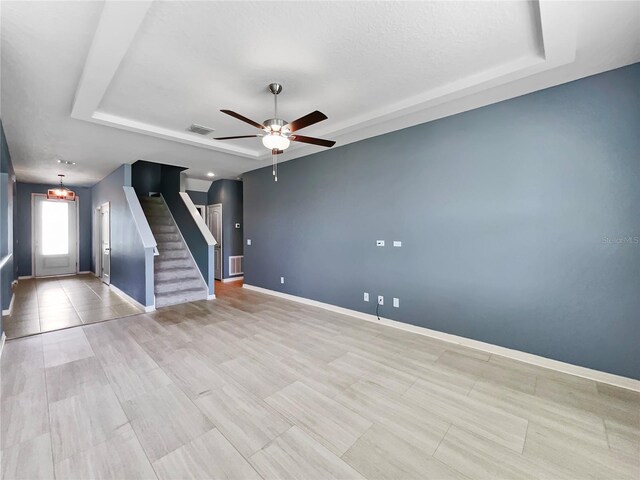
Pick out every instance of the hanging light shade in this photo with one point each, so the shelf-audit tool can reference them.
(61, 192)
(275, 141)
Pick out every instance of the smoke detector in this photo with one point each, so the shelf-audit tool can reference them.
(200, 129)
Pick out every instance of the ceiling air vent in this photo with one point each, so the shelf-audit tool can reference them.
(200, 129)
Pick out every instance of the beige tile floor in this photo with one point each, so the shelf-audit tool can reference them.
(47, 304)
(249, 386)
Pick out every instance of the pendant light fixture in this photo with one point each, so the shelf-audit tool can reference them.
(61, 192)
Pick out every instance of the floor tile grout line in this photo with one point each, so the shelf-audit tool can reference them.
(205, 416)
(46, 390)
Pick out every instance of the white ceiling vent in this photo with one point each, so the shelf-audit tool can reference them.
(200, 129)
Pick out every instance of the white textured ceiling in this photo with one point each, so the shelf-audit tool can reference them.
(372, 67)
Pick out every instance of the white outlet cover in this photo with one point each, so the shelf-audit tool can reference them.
(380, 243)
(248, 241)
(397, 243)
(380, 300)
(366, 297)
(396, 302)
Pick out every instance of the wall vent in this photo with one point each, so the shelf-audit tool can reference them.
(235, 265)
(199, 129)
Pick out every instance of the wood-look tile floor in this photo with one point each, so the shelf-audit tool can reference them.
(249, 386)
(48, 304)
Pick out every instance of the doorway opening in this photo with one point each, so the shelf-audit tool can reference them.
(103, 260)
(55, 236)
(214, 222)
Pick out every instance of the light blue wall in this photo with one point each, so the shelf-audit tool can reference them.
(24, 227)
(509, 217)
(127, 250)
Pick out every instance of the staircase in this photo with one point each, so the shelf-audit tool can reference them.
(176, 276)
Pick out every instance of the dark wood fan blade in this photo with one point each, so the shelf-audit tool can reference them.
(237, 136)
(310, 119)
(312, 140)
(244, 119)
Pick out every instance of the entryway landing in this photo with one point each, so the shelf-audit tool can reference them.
(46, 304)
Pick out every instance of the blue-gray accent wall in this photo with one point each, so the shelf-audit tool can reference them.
(127, 250)
(198, 198)
(8, 220)
(24, 230)
(519, 224)
(229, 194)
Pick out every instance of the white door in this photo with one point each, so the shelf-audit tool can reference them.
(105, 244)
(55, 237)
(214, 222)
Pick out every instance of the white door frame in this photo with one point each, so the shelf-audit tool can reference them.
(98, 241)
(219, 240)
(34, 233)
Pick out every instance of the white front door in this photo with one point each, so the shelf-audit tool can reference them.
(105, 244)
(55, 237)
(214, 222)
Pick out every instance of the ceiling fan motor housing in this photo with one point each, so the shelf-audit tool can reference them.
(275, 124)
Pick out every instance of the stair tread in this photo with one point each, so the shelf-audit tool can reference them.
(180, 280)
(182, 292)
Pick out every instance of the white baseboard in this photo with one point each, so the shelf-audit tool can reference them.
(211, 297)
(150, 308)
(232, 279)
(85, 272)
(25, 277)
(2, 339)
(10, 309)
(584, 372)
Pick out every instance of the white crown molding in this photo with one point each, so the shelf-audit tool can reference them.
(120, 21)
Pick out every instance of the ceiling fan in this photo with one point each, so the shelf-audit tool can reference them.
(278, 134)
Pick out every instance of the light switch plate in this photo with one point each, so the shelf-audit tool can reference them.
(379, 243)
(366, 297)
(248, 241)
(397, 243)
(396, 302)
(281, 279)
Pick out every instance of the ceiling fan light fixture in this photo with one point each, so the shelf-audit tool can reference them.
(275, 141)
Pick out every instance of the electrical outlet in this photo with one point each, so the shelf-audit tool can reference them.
(281, 279)
(366, 297)
(380, 300)
(396, 302)
(397, 243)
(248, 241)
(237, 225)
(379, 243)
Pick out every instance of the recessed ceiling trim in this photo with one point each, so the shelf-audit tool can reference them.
(121, 20)
(188, 138)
